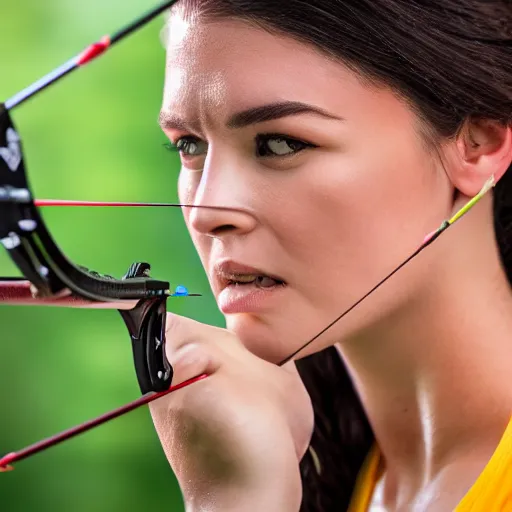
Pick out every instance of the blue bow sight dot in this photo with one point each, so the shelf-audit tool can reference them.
(180, 291)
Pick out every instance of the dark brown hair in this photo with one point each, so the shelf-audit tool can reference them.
(451, 60)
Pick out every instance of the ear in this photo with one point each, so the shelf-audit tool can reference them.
(482, 148)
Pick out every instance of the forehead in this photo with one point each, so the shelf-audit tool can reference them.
(214, 65)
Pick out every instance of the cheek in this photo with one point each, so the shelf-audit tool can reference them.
(352, 220)
(186, 192)
(186, 188)
(185, 196)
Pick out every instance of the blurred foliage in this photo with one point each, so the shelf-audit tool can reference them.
(94, 136)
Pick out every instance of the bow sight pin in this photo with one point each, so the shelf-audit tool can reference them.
(180, 291)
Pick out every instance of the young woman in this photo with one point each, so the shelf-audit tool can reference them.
(331, 136)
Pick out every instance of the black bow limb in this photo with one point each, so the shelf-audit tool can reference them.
(24, 235)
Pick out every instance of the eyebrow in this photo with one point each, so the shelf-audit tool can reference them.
(252, 116)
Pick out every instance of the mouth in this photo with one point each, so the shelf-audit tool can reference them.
(242, 289)
(230, 273)
(258, 280)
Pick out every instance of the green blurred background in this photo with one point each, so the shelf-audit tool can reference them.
(94, 136)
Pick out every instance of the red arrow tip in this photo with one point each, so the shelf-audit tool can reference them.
(6, 461)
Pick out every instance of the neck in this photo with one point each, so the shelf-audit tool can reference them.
(432, 383)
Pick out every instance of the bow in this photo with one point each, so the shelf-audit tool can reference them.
(50, 278)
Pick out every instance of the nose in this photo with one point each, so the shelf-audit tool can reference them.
(217, 221)
(223, 197)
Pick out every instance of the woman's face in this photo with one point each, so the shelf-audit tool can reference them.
(324, 181)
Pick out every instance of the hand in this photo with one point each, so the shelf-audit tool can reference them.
(235, 439)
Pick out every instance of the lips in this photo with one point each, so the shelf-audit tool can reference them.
(243, 289)
(231, 273)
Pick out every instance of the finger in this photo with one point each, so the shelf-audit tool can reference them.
(192, 360)
(188, 362)
(181, 330)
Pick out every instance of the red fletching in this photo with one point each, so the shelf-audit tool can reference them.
(93, 51)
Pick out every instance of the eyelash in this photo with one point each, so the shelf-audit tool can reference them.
(261, 142)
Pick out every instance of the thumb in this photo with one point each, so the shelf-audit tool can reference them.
(192, 360)
(192, 347)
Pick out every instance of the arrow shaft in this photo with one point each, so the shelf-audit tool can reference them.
(66, 202)
(40, 446)
(90, 53)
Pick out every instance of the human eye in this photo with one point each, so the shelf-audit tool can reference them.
(277, 145)
(188, 147)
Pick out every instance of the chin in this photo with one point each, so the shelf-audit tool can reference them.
(259, 337)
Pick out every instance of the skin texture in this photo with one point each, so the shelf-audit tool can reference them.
(429, 351)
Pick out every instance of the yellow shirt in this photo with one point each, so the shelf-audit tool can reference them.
(492, 492)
